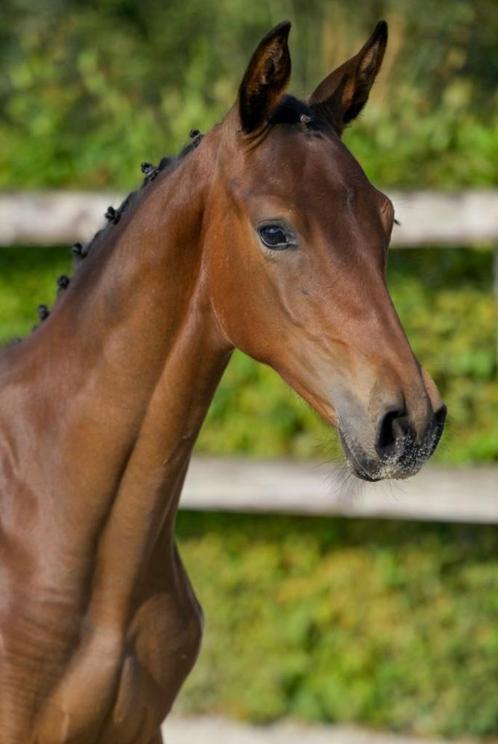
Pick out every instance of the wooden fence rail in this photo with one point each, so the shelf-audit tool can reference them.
(436, 494)
(433, 218)
(428, 218)
(467, 218)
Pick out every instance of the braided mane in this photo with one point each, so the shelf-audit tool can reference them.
(80, 250)
(290, 111)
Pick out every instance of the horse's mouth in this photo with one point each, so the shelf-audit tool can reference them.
(354, 461)
(403, 462)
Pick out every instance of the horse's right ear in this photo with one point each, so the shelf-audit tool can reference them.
(265, 79)
(342, 95)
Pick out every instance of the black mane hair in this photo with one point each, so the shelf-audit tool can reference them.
(150, 172)
(80, 250)
(290, 111)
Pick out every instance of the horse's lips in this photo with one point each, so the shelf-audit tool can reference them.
(384, 470)
(356, 467)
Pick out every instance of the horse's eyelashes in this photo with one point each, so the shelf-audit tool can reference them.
(275, 236)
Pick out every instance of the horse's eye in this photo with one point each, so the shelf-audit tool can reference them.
(274, 237)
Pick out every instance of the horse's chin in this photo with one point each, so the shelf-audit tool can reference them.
(372, 470)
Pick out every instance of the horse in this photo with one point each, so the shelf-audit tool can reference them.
(263, 235)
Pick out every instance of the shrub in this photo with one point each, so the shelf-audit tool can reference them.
(445, 301)
(387, 624)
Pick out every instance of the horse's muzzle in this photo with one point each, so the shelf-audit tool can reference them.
(398, 452)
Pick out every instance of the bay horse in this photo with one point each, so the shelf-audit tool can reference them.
(264, 235)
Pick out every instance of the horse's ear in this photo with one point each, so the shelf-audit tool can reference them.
(265, 78)
(342, 95)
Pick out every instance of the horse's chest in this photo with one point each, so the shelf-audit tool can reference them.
(166, 637)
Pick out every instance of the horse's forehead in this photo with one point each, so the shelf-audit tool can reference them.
(303, 167)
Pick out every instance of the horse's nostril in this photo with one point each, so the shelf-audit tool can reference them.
(438, 426)
(440, 416)
(393, 427)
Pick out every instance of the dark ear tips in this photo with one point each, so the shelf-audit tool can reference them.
(372, 54)
(278, 35)
(381, 29)
(282, 30)
(379, 38)
(377, 42)
(265, 79)
(341, 96)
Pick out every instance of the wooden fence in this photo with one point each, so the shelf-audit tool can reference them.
(467, 218)
(464, 218)
(436, 494)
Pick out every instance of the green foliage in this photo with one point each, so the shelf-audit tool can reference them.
(445, 301)
(27, 279)
(446, 148)
(444, 297)
(89, 89)
(387, 624)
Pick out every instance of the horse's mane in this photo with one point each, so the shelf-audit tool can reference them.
(81, 250)
(290, 111)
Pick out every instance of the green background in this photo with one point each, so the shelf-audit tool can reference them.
(445, 300)
(387, 624)
(90, 89)
(391, 625)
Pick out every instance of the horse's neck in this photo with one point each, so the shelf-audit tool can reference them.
(105, 402)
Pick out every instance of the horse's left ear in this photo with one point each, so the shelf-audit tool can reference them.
(265, 79)
(342, 95)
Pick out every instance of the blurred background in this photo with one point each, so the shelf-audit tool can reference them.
(387, 624)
